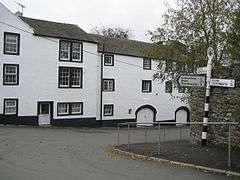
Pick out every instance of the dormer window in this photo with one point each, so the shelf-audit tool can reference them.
(70, 51)
(11, 43)
(147, 64)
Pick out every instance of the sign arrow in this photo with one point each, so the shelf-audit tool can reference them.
(222, 82)
(191, 80)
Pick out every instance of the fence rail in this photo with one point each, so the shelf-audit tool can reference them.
(160, 126)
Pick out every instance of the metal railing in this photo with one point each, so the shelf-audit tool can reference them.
(161, 127)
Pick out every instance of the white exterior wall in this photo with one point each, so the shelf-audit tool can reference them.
(38, 72)
(128, 90)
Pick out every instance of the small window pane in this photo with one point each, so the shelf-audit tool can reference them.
(11, 43)
(76, 51)
(64, 76)
(108, 85)
(65, 50)
(10, 74)
(168, 87)
(76, 108)
(63, 108)
(146, 63)
(146, 86)
(108, 60)
(76, 77)
(10, 107)
(108, 110)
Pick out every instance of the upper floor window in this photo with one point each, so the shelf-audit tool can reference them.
(108, 60)
(147, 63)
(168, 87)
(10, 74)
(10, 106)
(70, 77)
(70, 51)
(11, 43)
(146, 86)
(108, 85)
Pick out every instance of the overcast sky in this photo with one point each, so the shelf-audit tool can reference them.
(137, 15)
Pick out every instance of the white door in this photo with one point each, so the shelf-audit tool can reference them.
(44, 116)
(181, 116)
(145, 115)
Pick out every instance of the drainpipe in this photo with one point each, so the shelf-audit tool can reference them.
(101, 94)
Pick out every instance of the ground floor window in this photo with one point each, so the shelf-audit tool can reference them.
(72, 108)
(108, 110)
(10, 106)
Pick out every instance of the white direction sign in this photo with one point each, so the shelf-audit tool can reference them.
(222, 82)
(202, 70)
(191, 81)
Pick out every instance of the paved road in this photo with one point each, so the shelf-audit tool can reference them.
(70, 153)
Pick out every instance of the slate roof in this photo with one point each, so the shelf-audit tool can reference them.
(57, 30)
(125, 46)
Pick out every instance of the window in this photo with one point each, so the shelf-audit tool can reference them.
(108, 60)
(10, 106)
(10, 74)
(168, 87)
(70, 51)
(108, 85)
(73, 108)
(70, 77)
(147, 64)
(146, 86)
(108, 110)
(11, 43)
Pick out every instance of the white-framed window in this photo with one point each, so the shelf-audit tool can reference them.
(108, 85)
(108, 110)
(146, 86)
(147, 63)
(69, 108)
(10, 74)
(65, 50)
(11, 43)
(64, 77)
(168, 87)
(70, 51)
(76, 108)
(10, 106)
(63, 109)
(76, 51)
(108, 60)
(70, 77)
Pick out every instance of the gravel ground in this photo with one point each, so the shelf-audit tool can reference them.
(29, 153)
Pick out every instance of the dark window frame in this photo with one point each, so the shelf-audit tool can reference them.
(109, 55)
(107, 79)
(70, 80)
(166, 89)
(148, 81)
(70, 108)
(147, 68)
(18, 46)
(4, 106)
(4, 82)
(110, 105)
(70, 58)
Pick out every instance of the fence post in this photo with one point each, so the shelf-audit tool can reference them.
(159, 138)
(118, 129)
(128, 136)
(164, 134)
(229, 145)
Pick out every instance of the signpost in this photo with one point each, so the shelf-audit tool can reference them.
(230, 83)
(191, 81)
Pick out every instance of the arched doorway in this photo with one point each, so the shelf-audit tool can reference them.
(146, 114)
(182, 115)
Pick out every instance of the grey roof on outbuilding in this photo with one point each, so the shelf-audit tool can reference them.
(57, 30)
(125, 46)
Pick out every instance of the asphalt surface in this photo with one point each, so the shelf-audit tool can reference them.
(29, 153)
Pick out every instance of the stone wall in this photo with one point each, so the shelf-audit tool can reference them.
(224, 106)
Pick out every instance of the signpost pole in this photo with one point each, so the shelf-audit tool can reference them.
(210, 54)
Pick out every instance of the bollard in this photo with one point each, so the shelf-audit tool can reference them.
(118, 129)
(145, 135)
(159, 138)
(229, 145)
(128, 136)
